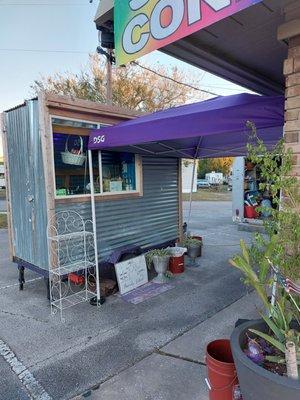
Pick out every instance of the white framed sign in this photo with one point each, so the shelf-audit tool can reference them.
(131, 273)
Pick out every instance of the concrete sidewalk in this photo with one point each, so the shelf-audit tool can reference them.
(95, 345)
(176, 371)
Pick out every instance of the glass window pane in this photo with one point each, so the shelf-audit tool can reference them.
(74, 124)
(72, 179)
(118, 172)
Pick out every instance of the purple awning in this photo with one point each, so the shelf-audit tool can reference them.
(211, 128)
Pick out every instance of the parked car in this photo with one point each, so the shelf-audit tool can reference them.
(214, 178)
(202, 184)
(2, 177)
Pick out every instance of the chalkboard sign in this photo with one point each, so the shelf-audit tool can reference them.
(131, 274)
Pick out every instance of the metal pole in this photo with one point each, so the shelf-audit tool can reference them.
(191, 194)
(274, 287)
(192, 183)
(94, 224)
(109, 77)
(100, 171)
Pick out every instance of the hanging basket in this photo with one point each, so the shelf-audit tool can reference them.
(74, 157)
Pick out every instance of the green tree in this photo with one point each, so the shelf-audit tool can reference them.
(214, 164)
(133, 87)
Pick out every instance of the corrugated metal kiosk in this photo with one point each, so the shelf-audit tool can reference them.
(63, 157)
(137, 198)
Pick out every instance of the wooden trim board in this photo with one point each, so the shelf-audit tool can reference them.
(88, 107)
(47, 150)
(11, 242)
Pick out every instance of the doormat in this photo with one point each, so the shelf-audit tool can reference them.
(146, 292)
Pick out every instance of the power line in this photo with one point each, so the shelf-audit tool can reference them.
(174, 80)
(49, 51)
(44, 4)
(133, 62)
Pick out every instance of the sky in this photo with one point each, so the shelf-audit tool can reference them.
(42, 37)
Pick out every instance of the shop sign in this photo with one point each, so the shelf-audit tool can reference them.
(131, 274)
(142, 26)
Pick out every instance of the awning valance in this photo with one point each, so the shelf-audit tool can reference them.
(211, 128)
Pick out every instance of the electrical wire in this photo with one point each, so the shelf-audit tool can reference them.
(133, 62)
(44, 4)
(174, 80)
(48, 51)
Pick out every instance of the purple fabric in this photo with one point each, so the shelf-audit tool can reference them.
(217, 127)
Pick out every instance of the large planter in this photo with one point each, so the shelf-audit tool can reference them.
(257, 383)
(161, 264)
(199, 238)
(194, 251)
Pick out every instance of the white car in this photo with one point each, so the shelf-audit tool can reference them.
(203, 183)
(2, 177)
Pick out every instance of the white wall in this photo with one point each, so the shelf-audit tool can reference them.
(187, 173)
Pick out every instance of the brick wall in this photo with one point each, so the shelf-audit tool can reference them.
(292, 104)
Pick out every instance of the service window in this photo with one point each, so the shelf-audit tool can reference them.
(114, 172)
(118, 172)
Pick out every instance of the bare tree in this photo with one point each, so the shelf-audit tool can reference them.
(134, 87)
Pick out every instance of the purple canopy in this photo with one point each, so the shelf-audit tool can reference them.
(211, 128)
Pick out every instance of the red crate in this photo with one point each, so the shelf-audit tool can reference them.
(76, 279)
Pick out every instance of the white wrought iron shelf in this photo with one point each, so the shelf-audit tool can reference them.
(73, 299)
(71, 249)
(71, 235)
(72, 267)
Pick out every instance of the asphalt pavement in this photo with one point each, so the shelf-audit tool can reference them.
(120, 345)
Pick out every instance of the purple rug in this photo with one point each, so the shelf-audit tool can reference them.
(146, 292)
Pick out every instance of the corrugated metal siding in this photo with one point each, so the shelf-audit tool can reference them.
(146, 221)
(28, 199)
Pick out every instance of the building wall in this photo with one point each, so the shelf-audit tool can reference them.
(146, 221)
(187, 175)
(292, 105)
(290, 31)
(27, 184)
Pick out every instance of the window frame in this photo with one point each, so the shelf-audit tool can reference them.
(138, 192)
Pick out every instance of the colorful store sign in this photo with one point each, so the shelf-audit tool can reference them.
(142, 26)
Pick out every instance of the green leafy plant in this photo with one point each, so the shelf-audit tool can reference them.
(280, 247)
(190, 241)
(155, 252)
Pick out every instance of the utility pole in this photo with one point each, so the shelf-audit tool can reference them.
(106, 40)
(109, 77)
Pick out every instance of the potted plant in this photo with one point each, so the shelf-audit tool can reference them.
(160, 260)
(194, 248)
(267, 351)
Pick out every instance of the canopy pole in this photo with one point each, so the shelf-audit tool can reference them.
(191, 195)
(94, 226)
(192, 183)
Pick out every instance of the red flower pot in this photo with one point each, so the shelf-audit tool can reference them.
(176, 265)
(250, 212)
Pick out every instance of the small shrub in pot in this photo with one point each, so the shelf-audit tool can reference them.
(160, 260)
(194, 247)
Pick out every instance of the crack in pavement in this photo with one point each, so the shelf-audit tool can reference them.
(23, 316)
(165, 354)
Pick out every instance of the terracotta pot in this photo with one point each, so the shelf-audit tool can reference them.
(249, 166)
